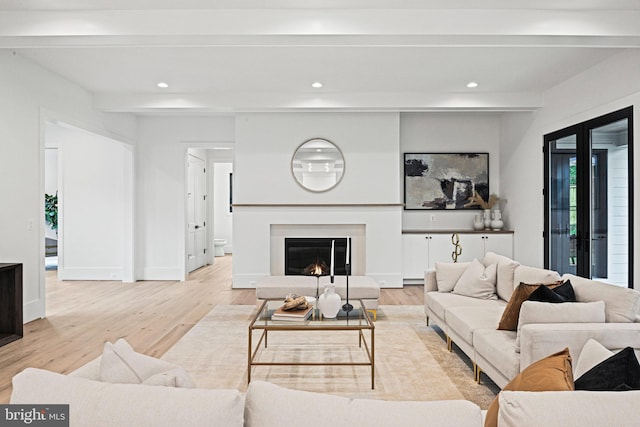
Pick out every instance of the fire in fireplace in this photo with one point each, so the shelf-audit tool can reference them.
(311, 256)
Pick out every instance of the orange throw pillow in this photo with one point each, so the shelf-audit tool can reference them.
(511, 313)
(553, 373)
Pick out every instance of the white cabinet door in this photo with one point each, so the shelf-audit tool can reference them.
(440, 249)
(414, 255)
(501, 244)
(471, 246)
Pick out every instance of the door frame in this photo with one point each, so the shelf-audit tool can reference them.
(583, 148)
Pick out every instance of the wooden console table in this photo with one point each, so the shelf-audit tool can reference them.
(10, 303)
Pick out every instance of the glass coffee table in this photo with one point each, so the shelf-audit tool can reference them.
(357, 320)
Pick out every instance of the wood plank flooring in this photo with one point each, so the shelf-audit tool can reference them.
(151, 315)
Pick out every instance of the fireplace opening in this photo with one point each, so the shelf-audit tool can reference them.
(311, 256)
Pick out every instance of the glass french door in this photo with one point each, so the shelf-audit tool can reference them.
(589, 199)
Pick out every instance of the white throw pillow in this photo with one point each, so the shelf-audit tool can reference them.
(568, 312)
(121, 364)
(505, 283)
(448, 274)
(477, 281)
(592, 353)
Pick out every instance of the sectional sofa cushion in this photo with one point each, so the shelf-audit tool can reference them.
(544, 312)
(121, 364)
(576, 408)
(526, 274)
(477, 281)
(621, 305)
(591, 354)
(448, 274)
(99, 404)
(267, 405)
(553, 373)
(439, 302)
(498, 349)
(620, 371)
(509, 320)
(465, 320)
(505, 273)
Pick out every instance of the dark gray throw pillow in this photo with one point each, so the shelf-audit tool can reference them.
(562, 293)
(620, 372)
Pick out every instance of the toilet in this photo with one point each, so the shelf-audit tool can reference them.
(218, 247)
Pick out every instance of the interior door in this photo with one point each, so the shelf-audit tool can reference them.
(589, 199)
(196, 213)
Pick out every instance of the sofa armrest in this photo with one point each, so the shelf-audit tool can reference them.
(430, 284)
(539, 340)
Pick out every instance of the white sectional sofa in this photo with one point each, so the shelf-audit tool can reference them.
(98, 404)
(471, 323)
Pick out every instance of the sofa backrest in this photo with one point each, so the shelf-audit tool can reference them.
(621, 305)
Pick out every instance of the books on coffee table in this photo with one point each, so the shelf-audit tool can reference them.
(292, 315)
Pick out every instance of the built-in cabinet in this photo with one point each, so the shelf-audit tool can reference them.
(422, 249)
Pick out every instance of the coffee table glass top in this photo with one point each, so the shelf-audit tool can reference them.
(356, 319)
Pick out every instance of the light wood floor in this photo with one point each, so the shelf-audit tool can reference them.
(151, 315)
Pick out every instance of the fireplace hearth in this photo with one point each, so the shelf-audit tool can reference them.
(311, 256)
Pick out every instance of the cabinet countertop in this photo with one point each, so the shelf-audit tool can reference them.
(457, 231)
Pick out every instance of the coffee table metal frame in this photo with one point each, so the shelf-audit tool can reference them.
(262, 321)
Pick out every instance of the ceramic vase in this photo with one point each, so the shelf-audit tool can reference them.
(329, 302)
(497, 223)
(487, 219)
(478, 222)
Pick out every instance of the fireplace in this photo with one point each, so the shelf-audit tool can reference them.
(302, 254)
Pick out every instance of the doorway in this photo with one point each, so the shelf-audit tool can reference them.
(589, 199)
(196, 213)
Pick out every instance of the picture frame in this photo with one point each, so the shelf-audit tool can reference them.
(444, 181)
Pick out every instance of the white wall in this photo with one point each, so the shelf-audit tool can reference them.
(607, 87)
(265, 144)
(222, 217)
(93, 202)
(449, 133)
(161, 188)
(28, 95)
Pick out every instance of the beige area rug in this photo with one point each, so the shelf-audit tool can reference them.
(411, 359)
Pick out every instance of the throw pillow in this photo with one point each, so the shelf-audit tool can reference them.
(553, 373)
(617, 373)
(562, 293)
(505, 273)
(477, 281)
(544, 312)
(511, 313)
(121, 364)
(448, 274)
(591, 354)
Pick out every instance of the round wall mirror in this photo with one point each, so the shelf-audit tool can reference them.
(317, 165)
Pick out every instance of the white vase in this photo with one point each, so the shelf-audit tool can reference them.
(496, 222)
(329, 302)
(478, 222)
(487, 219)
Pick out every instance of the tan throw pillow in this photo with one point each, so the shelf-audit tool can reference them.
(511, 313)
(448, 274)
(477, 281)
(121, 364)
(553, 373)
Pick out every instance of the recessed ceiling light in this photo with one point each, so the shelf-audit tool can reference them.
(162, 85)
(318, 150)
(317, 85)
(472, 84)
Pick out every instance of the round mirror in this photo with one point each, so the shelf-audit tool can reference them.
(317, 165)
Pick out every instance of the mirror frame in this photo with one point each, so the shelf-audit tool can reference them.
(299, 182)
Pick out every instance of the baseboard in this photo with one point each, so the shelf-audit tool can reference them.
(33, 310)
(90, 273)
(162, 273)
(387, 280)
(246, 281)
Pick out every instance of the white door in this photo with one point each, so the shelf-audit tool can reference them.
(196, 214)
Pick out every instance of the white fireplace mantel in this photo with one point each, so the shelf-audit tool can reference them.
(259, 232)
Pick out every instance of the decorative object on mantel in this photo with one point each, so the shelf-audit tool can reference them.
(478, 222)
(477, 200)
(444, 180)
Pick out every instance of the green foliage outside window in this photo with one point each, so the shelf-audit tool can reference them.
(51, 210)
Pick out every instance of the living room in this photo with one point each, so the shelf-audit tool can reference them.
(575, 65)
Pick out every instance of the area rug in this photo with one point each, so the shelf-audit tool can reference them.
(411, 359)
